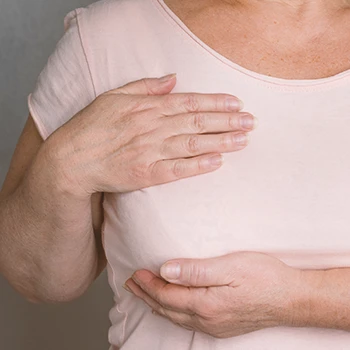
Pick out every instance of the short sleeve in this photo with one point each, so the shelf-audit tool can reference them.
(65, 86)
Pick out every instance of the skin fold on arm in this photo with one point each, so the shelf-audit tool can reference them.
(30, 207)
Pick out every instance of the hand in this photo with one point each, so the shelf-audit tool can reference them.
(223, 297)
(127, 140)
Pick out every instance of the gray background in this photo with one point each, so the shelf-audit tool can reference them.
(29, 31)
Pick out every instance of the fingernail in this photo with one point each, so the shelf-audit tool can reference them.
(249, 122)
(241, 139)
(170, 271)
(216, 160)
(166, 78)
(135, 279)
(127, 288)
(234, 104)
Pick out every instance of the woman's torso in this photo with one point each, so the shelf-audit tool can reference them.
(286, 194)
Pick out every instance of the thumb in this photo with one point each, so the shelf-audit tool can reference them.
(149, 86)
(198, 272)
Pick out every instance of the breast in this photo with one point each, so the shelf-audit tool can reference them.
(287, 194)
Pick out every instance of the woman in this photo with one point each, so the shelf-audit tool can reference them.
(286, 195)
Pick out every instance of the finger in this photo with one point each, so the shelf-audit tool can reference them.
(134, 288)
(148, 86)
(178, 103)
(211, 122)
(181, 319)
(217, 271)
(174, 316)
(165, 171)
(194, 145)
(183, 325)
(169, 296)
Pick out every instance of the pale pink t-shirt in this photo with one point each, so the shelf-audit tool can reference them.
(287, 193)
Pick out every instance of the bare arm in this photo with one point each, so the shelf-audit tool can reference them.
(33, 206)
(323, 300)
(242, 292)
(126, 139)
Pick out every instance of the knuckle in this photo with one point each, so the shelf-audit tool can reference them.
(192, 144)
(201, 165)
(159, 310)
(159, 298)
(233, 121)
(167, 101)
(144, 82)
(219, 102)
(166, 145)
(198, 122)
(140, 103)
(226, 141)
(154, 173)
(140, 171)
(178, 169)
(196, 274)
(116, 104)
(140, 166)
(191, 103)
(139, 144)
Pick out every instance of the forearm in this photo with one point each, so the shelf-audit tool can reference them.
(323, 299)
(47, 248)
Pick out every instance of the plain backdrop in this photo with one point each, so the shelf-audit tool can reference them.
(29, 31)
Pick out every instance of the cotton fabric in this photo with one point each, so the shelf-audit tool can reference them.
(287, 194)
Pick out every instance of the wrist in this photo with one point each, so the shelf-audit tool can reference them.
(50, 193)
(306, 298)
(57, 158)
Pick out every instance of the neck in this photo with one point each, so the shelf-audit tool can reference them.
(298, 7)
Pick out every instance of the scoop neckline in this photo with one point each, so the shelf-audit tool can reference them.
(272, 81)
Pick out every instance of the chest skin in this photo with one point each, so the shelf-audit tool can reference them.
(272, 40)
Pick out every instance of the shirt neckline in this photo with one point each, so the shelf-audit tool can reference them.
(281, 82)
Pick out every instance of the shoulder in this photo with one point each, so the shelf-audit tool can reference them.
(111, 15)
(108, 26)
(117, 37)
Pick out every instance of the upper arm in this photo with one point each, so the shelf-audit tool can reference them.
(63, 88)
(27, 147)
